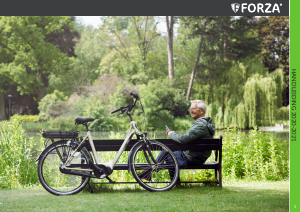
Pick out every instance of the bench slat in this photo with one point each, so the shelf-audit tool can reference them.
(165, 141)
(115, 144)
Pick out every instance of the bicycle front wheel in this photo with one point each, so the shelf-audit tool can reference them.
(154, 177)
(50, 176)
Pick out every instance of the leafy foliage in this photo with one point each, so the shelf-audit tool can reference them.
(51, 105)
(25, 118)
(254, 156)
(27, 54)
(162, 103)
(245, 96)
(17, 166)
(275, 35)
(98, 111)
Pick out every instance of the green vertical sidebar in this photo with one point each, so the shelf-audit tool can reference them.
(294, 105)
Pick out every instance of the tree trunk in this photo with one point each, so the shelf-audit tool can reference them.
(2, 108)
(170, 45)
(225, 37)
(41, 93)
(196, 62)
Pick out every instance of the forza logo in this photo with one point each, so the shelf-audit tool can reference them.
(258, 8)
(235, 7)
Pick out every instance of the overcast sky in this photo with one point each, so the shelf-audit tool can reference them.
(95, 21)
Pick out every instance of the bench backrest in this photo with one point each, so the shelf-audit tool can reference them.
(199, 144)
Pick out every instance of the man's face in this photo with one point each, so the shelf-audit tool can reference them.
(195, 112)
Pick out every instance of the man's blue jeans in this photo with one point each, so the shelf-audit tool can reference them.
(181, 159)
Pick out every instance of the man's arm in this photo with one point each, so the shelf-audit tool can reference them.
(196, 131)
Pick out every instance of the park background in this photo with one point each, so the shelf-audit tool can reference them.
(57, 68)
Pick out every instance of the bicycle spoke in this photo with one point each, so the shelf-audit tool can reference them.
(49, 173)
(155, 177)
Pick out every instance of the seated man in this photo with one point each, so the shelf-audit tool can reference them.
(201, 128)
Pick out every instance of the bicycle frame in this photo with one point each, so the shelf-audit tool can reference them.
(132, 130)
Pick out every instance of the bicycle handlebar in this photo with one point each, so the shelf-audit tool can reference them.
(135, 95)
(129, 107)
(114, 111)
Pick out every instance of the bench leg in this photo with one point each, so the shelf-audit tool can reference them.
(216, 174)
(220, 177)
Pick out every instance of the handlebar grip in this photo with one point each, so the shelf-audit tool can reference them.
(114, 111)
(134, 95)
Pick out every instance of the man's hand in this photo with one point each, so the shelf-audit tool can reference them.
(168, 132)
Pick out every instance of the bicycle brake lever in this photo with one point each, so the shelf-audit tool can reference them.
(122, 111)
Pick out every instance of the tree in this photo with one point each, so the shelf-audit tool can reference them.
(28, 54)
(196, 61)
(170, 25)
(130, 39)
(31, 49)
(145, 32)
(89, 51)
(226, 39)
(275, 35)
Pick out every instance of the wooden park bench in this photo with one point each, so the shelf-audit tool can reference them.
(199, 144)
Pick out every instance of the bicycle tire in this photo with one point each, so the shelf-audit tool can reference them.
(52, 179)
(149, 176)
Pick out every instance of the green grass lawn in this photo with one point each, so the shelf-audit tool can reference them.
(236, 196)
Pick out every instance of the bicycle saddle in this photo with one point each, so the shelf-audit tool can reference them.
(80, 120)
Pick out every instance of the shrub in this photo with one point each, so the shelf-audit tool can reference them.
(52, 106)
(162, 103)
(25, 118)
(98, 111)
(255, 156)
(283, 113)
(17, 167)
(65, 123)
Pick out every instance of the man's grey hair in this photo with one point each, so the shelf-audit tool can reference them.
(201, 104)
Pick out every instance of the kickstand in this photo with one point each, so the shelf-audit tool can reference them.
(91, 190)
(110, 181)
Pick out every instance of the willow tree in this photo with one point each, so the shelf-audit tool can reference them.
(251, 97)
(261, 99)
(226, 39)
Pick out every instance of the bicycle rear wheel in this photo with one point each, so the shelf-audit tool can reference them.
(50, 176)
(160, 177)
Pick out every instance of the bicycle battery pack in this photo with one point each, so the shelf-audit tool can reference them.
(60, 134)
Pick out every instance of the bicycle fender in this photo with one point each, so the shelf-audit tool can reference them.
(39, 156)
(140, 141)
(73, 143)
